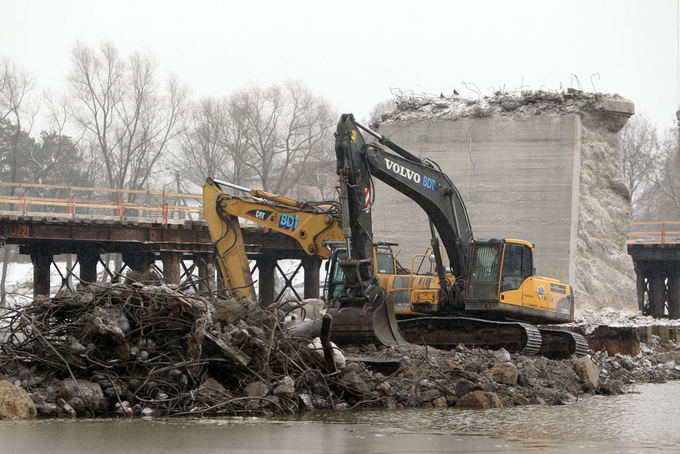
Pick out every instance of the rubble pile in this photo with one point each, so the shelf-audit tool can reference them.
(501, 104)
(153, 350)
(656, 363)
(480, 378)
(134, 350)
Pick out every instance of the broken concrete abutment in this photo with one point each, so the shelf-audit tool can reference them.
(544, 167)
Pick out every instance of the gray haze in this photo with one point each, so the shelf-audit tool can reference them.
(354, 52)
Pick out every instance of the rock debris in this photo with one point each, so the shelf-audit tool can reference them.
(134, 350)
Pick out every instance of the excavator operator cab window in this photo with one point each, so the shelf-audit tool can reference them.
(484, 271)
(517, 266)
(336, 282)
(384, 263)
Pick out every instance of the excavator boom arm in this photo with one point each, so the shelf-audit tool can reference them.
(312, 227)
(419, 180)
(434, 192)
(227, 237)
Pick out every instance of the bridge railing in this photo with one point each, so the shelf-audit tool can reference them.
(654, 232)
(99, 203)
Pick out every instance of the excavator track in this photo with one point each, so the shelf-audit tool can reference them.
(448, 332)
(560, 343)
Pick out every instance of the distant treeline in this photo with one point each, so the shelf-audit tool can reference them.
(117, 125)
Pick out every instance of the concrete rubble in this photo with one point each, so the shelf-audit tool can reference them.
(133, 350)
(603, 274)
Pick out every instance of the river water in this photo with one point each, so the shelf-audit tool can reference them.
(645, 421)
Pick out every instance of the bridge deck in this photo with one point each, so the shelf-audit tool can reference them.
(63, 234)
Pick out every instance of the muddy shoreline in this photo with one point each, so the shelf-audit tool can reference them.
(134, 350)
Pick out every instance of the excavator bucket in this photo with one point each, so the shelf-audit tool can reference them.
(361, 325)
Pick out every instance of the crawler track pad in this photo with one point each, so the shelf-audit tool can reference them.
(559, 343)
(447, 332)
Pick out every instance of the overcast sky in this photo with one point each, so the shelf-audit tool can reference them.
(354, 52)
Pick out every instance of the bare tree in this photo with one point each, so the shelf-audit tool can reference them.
(16, 120)
(125, 117)
(280, 135)
(667, 183)
(15, 110)
(15, 86)
(287, 127)
(640, 154)
(205, 142)
(235, 138)
(58, 159)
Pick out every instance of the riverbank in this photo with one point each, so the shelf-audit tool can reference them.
(135, 350)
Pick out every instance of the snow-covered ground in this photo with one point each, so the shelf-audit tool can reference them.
(617, 317)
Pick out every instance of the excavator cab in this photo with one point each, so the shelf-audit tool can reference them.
(497, 266)
(335, 276)
(502, 283)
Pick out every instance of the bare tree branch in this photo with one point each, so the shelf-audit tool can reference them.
(121, 108)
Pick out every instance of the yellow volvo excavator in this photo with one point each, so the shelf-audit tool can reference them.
(488, 292)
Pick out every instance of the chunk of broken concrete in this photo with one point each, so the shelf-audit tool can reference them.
(502, 355)
(479, 399)
(89, 393)
(285, 386)
(588, 372)
(306, 401)
(15, 402)
(256, 389)
(314, 350)
(440, 402)
(211, 384)
(464, 386)
(355, 383)
(614, 386)
(231, 310)
(505, 373)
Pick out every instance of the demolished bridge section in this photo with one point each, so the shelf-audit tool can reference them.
(543, 166)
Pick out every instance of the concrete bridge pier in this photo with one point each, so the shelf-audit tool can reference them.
(266, 267)
(641, 285)
(171, 267)
(674, 294)
(141, 264)
(657, 289)
(205, 262)
(657, 268)
(311, 266)
(41, 272)
(88, 266)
